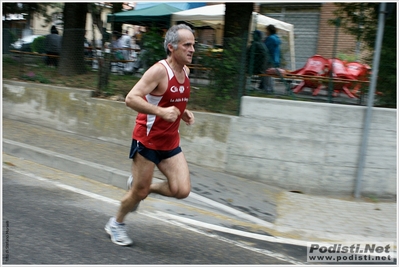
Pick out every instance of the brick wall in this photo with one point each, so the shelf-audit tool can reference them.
(346, 43)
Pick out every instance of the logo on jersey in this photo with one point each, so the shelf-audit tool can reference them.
(174, 89)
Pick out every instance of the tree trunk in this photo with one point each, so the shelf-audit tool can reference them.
(72, 49)
(236, 21)
(235, 37)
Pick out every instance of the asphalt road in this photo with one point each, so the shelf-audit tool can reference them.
(46, 224)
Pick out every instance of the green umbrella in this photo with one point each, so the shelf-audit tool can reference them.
(155, 14)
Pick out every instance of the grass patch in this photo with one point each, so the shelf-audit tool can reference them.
(35, 70)
(31, 76)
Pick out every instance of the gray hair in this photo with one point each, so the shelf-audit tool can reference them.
(172, 36)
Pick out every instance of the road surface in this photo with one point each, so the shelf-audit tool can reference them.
(53, 217)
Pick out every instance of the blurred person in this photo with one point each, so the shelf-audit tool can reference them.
(116, 45)
(137, 64)
(52, 45)
(160, 98)
(257, 57)
(272, 43)
(126, 43)
(135, 47)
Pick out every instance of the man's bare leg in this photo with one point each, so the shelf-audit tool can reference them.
(178, 183)
(142, 170)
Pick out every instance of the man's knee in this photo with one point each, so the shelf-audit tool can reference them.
(141, 193)
(182, 195)
(183, 192)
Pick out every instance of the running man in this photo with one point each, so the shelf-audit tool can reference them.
(160, 98)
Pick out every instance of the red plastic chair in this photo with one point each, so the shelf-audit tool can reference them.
(315, 66)
(340, 71)
(361, 72)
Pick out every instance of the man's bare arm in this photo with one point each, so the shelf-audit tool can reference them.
(146, 85)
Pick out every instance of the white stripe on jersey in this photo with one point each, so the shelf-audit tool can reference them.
(168, 69)
(151, 118)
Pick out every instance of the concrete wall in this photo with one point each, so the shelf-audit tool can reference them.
(74, 110)
(68, 109)
(313, 147)
(308, 147)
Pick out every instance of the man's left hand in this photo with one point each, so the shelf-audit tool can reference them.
(188, 117)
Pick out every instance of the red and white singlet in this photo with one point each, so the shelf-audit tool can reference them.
(154, 132)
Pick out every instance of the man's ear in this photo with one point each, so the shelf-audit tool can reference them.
(170, 47)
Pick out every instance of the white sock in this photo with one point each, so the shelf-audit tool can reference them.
(114, 222)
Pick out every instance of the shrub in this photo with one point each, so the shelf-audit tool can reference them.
(152, 48)
(38, 45)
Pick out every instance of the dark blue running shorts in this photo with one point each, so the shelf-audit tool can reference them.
(155, 156)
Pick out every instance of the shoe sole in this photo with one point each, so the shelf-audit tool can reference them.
(114, 241)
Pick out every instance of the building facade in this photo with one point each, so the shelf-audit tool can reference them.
(314, 34)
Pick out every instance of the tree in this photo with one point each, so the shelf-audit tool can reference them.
(72, 49)
(105, 62)
(117, 7)
(361, 20)
(235, 38)
(234, 27)
(32, 9)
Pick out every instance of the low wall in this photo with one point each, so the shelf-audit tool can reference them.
(302, 146)
(68, 109)
(75, 110)
(313, 147)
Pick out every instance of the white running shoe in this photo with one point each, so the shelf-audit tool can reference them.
(129, 186)
(117, 233)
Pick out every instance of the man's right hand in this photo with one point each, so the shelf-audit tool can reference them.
(170, 114)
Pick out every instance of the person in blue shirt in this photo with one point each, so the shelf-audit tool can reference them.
(272, 42)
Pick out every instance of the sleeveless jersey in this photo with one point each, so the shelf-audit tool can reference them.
(154, 132)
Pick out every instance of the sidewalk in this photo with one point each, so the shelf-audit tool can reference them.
(283, 214)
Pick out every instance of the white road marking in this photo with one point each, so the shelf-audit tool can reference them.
(271, 239)
(175, 220)
(235, 212)
(64, 186)
(220, 238)
(192, 195)
(231, 231)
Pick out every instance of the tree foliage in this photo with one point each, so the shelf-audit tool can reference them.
(33, 9)
(361, 20)
(152, 48)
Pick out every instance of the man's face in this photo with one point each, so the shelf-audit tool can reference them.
(185, 48)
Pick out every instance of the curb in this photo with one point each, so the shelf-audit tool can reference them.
(104, 174)
(98, 172)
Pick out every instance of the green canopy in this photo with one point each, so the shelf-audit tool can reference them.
(155, 14)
